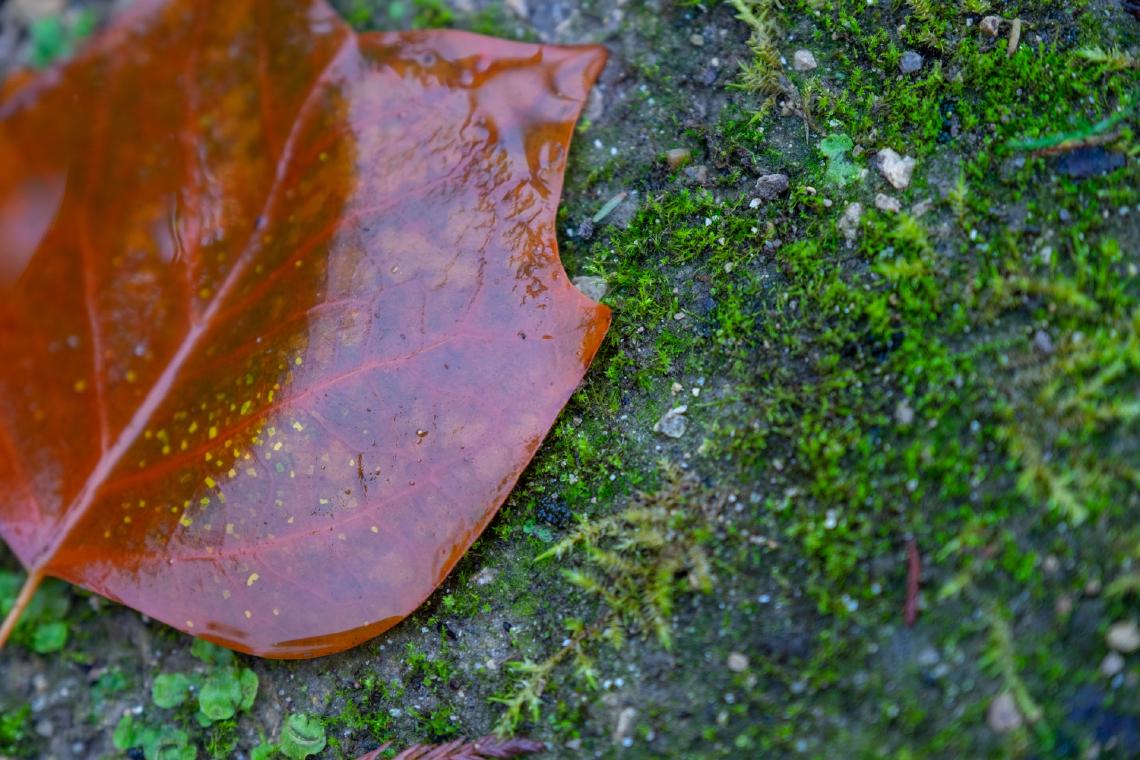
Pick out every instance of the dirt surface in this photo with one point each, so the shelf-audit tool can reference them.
(900, 520)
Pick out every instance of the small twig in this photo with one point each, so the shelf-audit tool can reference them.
(31, 584)
(609, 207)
(485, 748)
(913, 579)
(1097, 134)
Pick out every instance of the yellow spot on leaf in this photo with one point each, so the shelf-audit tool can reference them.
(252, 579)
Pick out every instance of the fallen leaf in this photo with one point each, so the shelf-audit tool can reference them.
(282, 312)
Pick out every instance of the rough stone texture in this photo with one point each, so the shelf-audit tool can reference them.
(771, 186)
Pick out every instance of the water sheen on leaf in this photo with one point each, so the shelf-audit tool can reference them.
(282, 312)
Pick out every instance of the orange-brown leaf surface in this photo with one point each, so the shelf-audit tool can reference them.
(281, 312)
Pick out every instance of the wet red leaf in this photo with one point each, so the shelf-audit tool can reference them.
(282, 312)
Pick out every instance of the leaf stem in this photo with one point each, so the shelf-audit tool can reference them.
(31, 585)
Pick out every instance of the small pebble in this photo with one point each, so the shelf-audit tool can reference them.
(991, 26)
(677, 157)
(1043, 342)
(910, 62)
(904, 414)
(884, 202)
(771, 186)
(1064, 606)
(624, 726)
(673, 423)
(803, 60)
(737, 662)
(1123, 636)
(895, 168)
(849, 222)
(1112, 665)
(1002, 716)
